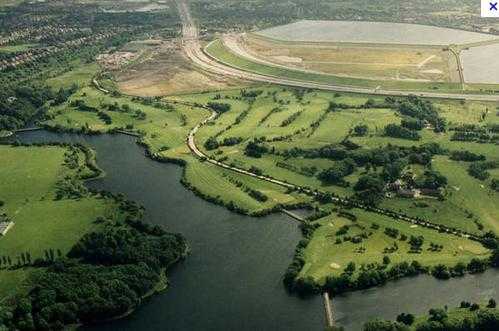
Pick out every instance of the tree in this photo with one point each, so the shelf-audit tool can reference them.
(361, 130)
(477, 266)
(254, 149)
(432, 179)
(441, 271)
(392, 171)
(369, 189)
(437, 314)
(494, 259)
(494, 184)
(407, 319)
(397, 131)
(219, 107)
(335, 174)
(211, 143)
(386, 260)
(350, 268)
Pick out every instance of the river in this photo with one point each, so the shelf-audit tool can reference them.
(232, 278)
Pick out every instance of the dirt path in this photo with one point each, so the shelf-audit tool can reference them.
(425, 61)
(460, 69)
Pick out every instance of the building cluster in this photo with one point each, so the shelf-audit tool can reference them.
(37, 53)
(401, 189)
(37, 34)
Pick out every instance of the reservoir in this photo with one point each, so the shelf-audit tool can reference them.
(372, 32)
(232, 280)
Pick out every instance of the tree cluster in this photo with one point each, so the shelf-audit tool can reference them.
(105, 275)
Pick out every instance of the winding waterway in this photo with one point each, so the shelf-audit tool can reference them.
(232, 279)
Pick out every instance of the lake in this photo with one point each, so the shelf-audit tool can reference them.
(372, 32)
(232, 279)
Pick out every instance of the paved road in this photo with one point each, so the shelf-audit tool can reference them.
(195, 52)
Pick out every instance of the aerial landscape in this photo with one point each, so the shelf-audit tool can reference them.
(249, 165)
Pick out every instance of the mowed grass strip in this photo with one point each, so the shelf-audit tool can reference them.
(220, 183)
(458, 209)
(467, 202)
(325, 257)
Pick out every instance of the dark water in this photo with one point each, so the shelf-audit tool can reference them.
(232, 279)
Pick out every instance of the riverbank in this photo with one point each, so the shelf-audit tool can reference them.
(232, 247)
(80, 254)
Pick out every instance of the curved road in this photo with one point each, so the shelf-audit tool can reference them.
(191, 143)
(194, 51)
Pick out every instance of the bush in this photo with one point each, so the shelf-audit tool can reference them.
(335, 174)
(466, 156)
(479, 169)
(495, 184)
(219, 107)
(211, 143)
(397, 131)
(361, 130)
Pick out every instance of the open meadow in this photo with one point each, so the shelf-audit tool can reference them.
(329, 251)
(34, 184)
(302, 136)
(332, 142)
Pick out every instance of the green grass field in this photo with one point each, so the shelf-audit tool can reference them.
(165, 131)
(325, 257)
(467, 201)
(465, 195)
(456, 318)
(28, 180)
(81, 75)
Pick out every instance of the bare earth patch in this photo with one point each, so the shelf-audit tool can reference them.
(165, 72)
(365, 61)
(335, 266)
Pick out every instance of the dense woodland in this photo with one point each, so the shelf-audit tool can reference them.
(105, 275)
(23, 105)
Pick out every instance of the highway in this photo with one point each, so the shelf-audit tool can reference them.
(196, 54)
